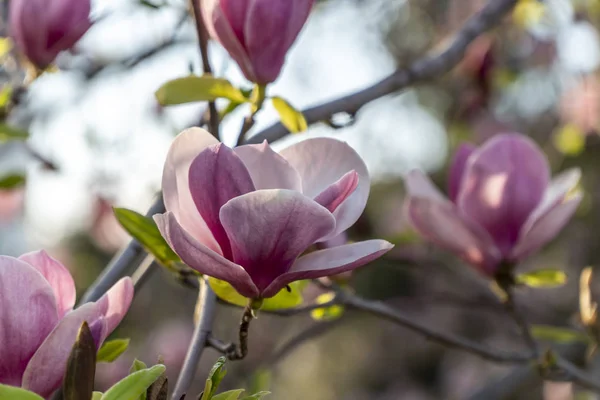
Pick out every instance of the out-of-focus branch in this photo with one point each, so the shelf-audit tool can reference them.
(515, 313)
(421, 70)
(576, 375)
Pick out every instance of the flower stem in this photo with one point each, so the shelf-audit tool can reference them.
(240, 351)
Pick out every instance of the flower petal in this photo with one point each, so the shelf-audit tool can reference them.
(323, 161)
(457, 168)
(545, 228)
(329, 262)
(28, 313)
(504, 181)
(57, 275)
(336, 193)
(203, 259)
(419, 185)
(46, 369)
(115, 303)
(217, 175)
(269, 229)
(440, 223)
(268, 169)
(175, 183)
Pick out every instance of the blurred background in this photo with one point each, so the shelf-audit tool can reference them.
(98, 139)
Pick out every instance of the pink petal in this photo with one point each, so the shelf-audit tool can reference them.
(457, 168)
(334, 195)
(28, 314)
(236, 13)
(203, 259)
(330, 262)
(271, 28)
(545, 228)
(503, 183)
(268, 169)
(175, 183)
(269, 229)
(323, 161)
(57, 275)
(440, 223)
(115, 303)
(45, 371)
(217, 175)
(419, 185)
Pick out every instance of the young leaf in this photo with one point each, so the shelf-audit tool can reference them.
(137, 366)
(5, 46)
(145, 231)
(543, 278)
(15, 393)
(229, 395)
(326, 313)
(12, 181)
(215, 376)
(111, 350)
(256, 396)
(81, 367)
(291, 118)
(134, 385)
(283, 299)
(96, 395)
(198, 88)
(557, 334)
(569, 140)
(11, 133)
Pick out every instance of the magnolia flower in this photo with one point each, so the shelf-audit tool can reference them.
(246, 215)
(502, 206)
(38, 325)
(256, 33)
(43, 28)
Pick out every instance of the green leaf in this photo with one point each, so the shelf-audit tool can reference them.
(569, 140)
(137, 366)
(134, 385)
(283, 299)
(256, 396)
(5, 46)
(215, 376)
(229, 395)
(5, 95)
(145, 231)
(15, 393)
(557, 334)
(111, 350)
(12, 181)
(543, 278)
(10, 133)
(327, 313)
(96, 395)
(198, 88)
(81, 367)
(291, 118)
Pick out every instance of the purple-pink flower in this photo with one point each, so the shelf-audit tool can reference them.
(38, 325)
(502, 205)
(246, 215)
(256, 33)
(43, 28)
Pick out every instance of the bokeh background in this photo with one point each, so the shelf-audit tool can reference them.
(98, 139)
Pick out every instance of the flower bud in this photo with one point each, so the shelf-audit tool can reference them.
(256, 33)
(43, 28)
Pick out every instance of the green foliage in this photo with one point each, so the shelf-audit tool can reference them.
(283, 299)
(137, 366)
(111, 350)
(229, 395)
(558, 334)
(15, 393)
(12, 181)
(543, 278)
(10, 133)
(81, 366)
(256, 396)
(96, 395)
(569, 140)
(5, 46)
(198, 88)
(145, 231)
(327, 313)
(135, 385)
(215, 376)
(291, 118)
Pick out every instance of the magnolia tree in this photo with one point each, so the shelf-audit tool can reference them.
(271, 230)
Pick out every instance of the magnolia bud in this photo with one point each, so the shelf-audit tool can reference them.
(43, 28)
(256, 33)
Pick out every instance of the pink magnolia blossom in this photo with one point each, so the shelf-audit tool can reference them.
(502, 206)
(43, 28)
(256, 33)
(246, 215)
(38, 325)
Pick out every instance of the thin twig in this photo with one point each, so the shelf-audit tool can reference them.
(206, 314)
(515, 313)
(143, 271)
(576, 375)
(240, 351)
(421, 70)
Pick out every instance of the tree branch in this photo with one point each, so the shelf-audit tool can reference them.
(421, 70)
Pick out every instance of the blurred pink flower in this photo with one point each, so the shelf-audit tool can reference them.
(38, 325)
(11, 203)
(580, 105)
(246, 215)
(502, 206)
(256, 33)
(43, 28)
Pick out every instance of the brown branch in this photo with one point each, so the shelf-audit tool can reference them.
(520, 320)
(421, 70)
(576, 375)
